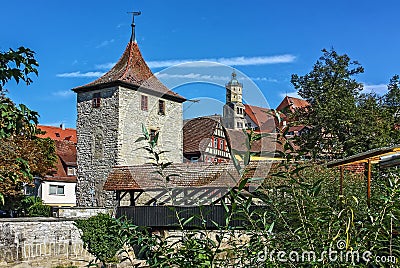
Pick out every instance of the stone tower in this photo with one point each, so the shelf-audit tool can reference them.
(111, 112)
(233, 114)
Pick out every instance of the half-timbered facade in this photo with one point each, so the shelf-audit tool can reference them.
(204, 140)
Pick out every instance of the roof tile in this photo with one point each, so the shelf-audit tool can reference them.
(131, 69)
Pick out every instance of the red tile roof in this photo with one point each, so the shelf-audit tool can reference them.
(66, 156)
(132, 71)
(195, 175)
(238, 139)
(58, 134)
(197, 134)
(292, 103)
(261, 117)
(66, 150)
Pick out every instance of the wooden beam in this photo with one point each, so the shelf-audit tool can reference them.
(132, 198)
(118, 198)
(373, 154)
(341, 181)
(369, 183)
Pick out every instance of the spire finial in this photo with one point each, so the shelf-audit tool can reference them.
(233, 74)
(134, 13)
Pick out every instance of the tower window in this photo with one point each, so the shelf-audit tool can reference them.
(215, 143)
(96, 100)
(143, 103)
(161, 107)
(221, 144)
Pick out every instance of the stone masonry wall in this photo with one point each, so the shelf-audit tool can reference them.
(131, 119)
(41, 242)
(107, 135)
(97, 131)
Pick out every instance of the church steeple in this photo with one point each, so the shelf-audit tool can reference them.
(234, 90)
(234, 116)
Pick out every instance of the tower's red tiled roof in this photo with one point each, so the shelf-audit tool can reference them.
(58, 133)
(131, 71)
(197, 134)
(292, 103)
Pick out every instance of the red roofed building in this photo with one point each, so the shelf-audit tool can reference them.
(259, 119)
(204, 140)
(58, 133)
(58, 189)
(291, 104)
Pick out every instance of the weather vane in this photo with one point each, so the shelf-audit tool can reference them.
(134, 13)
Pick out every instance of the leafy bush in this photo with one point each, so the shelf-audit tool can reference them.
(34, 207)
(100, 236)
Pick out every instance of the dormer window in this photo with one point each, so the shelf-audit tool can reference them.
(96, 100)
(161, 107)
(71, 171)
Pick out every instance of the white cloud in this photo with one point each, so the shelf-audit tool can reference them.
(235, 61)
(105, 66)
(194, 76)
(264, 79)
(293, 94)
(379, 89)
(206, 77)
(79, 74)
(105, 43)
(63, 93)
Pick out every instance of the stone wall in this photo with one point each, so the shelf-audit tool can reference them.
(131, 119)
(107, 135)
(80, 212)
(97, 132)
(41, 242)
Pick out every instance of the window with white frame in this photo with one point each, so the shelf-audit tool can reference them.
(56, 190)
(71, 171)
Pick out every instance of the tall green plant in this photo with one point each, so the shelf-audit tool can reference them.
(100, 237)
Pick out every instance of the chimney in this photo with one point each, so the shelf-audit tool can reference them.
(62, 126)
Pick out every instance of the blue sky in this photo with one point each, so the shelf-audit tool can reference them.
(75, 41)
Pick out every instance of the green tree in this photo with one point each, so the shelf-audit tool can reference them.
(22, 154)
(392, 107)
(371, 125)
(332, 92)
